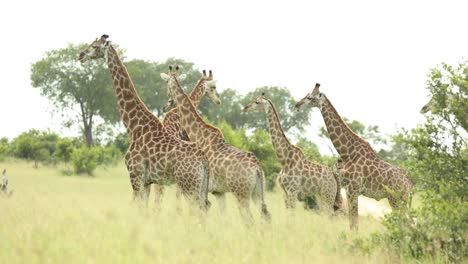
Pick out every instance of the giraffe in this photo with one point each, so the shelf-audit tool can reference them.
(154, 155)
(233, 170)
(299, 177)
(437, 104)
(205, 86)
(361, 170)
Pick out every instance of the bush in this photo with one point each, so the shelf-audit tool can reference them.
(64, 149)
(108, 155)
(437, 230)
(85, 160)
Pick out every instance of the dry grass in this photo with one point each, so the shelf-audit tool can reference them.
(53, 218)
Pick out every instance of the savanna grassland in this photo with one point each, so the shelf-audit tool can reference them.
(53, 218)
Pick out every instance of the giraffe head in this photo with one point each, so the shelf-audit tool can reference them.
(172, 78)
(427, 107)
(313, 99)
(97, 49)
(209, 86)
(259, 103)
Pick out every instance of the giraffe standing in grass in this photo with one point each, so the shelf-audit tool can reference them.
(299, 177)
(233, 170)
(205, 86)
(362, 171)
(154, 155)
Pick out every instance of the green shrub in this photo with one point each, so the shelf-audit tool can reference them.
(85, 160)
(108, 155)
(64, 149)
(437, 230)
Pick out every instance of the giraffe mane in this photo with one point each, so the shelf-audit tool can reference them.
(214, 129)
(359, 138)
(282, 130)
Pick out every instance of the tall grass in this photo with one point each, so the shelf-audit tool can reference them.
(53, 218)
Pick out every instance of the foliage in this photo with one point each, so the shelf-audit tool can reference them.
(64, 149)
(260, 144)
(229, 111)
(85, 91)
(35, 145)
(85, 160)
(232, 104)
(437, 160)
(310, 149)
(4, 148)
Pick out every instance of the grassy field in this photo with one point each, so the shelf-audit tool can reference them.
(53, 218)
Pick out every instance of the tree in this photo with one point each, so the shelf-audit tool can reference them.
(232, 104)
(230, 109)
(436, 159)
(35, 145)
(86, 92)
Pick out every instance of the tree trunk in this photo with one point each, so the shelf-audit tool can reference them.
(88, 135)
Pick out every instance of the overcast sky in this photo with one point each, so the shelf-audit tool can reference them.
(371, 57)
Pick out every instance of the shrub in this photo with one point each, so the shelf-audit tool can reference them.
(85, 160)
(64, 149)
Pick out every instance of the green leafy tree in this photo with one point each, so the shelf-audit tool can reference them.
(310, 149)
(230, 109)
(86, 92)
(5, 147)
(437, 160)
(34, 145)
(260, 144)
(233, 102)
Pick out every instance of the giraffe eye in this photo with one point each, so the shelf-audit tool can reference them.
(257, 102)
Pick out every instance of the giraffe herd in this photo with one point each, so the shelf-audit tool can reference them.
(186, 150)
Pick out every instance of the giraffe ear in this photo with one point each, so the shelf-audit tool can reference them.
(165, 77)
(182, 77)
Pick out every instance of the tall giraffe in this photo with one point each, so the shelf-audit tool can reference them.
(153, 155)
(205, 86)
(299, 177)
(362, 171)
(233, 170)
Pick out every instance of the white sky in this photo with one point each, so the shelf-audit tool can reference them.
(371, 57)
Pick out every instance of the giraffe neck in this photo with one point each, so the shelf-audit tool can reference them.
(131, 107)
(347, 143)
(197, 130)
(197, 93)
(280, 142)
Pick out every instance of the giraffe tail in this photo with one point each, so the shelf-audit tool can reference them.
(206, 184)
(260, 191)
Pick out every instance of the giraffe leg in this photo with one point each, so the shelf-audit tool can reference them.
(158, 195)
(290, 198)
(221, 198)
(179, 194)
(353, 209)
(244, 208)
